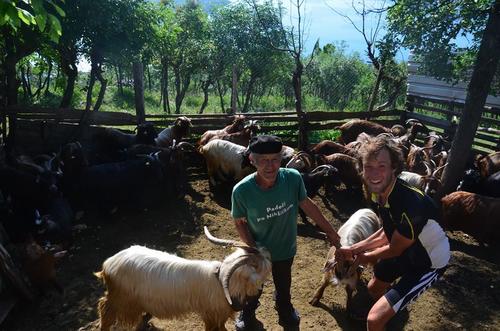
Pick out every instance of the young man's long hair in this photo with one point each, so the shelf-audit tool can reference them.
(373, 145)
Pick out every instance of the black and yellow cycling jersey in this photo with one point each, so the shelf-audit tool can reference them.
(414, 215)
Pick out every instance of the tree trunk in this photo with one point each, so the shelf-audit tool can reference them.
(68, 57)
(376, 87)
(204, 86)
(119, 79)
(139, 91)
(12, 82)
(102, 90)
(90, 87)
(25, 83)
(49, 73)
(164, 79)
(221, 95)
(15, 49)
(181, 86)
(477, 92)
(297, 90)
(248, 94)
(149, 78)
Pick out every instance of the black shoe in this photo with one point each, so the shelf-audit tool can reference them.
(290, 318)
(246, 321)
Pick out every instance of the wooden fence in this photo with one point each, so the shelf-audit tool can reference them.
(42, 130)
(439, 115)
(38, 130)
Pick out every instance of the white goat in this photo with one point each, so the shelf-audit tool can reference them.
(359, 226)
(225, 160)
(142, 280)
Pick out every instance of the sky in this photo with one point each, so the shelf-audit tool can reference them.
(324, 24)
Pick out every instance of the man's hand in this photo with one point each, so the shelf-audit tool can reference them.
(344, 253)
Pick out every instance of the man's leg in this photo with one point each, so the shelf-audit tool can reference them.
(377, 287)
(379, 315)
(282, 277)
(409, 287)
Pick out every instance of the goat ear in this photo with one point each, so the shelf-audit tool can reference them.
(329, 265)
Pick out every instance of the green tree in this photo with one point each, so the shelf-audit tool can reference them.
(162, 44)
(334, 76)
(44, 15)
(290, 40)
(190, 41)
(113, 30)
(240, 40)
(431, 29)
(24, 26)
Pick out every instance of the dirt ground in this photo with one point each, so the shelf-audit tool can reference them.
(467, 298)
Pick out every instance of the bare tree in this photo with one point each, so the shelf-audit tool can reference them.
(385, 53)
(291, 41)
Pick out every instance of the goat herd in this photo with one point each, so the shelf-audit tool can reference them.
(41, 196)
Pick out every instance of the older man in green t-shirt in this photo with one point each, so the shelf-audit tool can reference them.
(264, 207)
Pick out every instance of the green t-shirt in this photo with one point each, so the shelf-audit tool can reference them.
(271, 214)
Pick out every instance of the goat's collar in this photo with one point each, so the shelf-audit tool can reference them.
(236, 305)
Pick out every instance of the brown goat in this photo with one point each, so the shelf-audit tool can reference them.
(488, 164)
(347, 166)
(236, 126)
(351, 130)
(243, 137)
(328, 147)
(474, 214)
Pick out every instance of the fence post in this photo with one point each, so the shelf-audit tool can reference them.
(303, 124)
(139, 91)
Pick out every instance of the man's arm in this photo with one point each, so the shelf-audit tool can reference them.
(377, 239)
(244, 232)
(396, 247)
(312, 210)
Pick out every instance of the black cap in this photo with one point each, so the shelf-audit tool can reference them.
(265, 144)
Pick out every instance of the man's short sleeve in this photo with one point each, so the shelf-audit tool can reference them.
(297, 178)
(302, 189)
(410, 226)
(238, 209)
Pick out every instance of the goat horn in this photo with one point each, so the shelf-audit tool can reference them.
(184, 144)
(429, 147)
(438, 169)
(428, 169)
(241, 260)
(411, 120)
(327, 166)
(223, 242)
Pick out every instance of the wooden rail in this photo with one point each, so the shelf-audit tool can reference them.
(43, 130)
(438, 114)
(49, 128)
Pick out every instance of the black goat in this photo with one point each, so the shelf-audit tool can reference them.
(315, 179)
(109, 143)
(474, 183)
